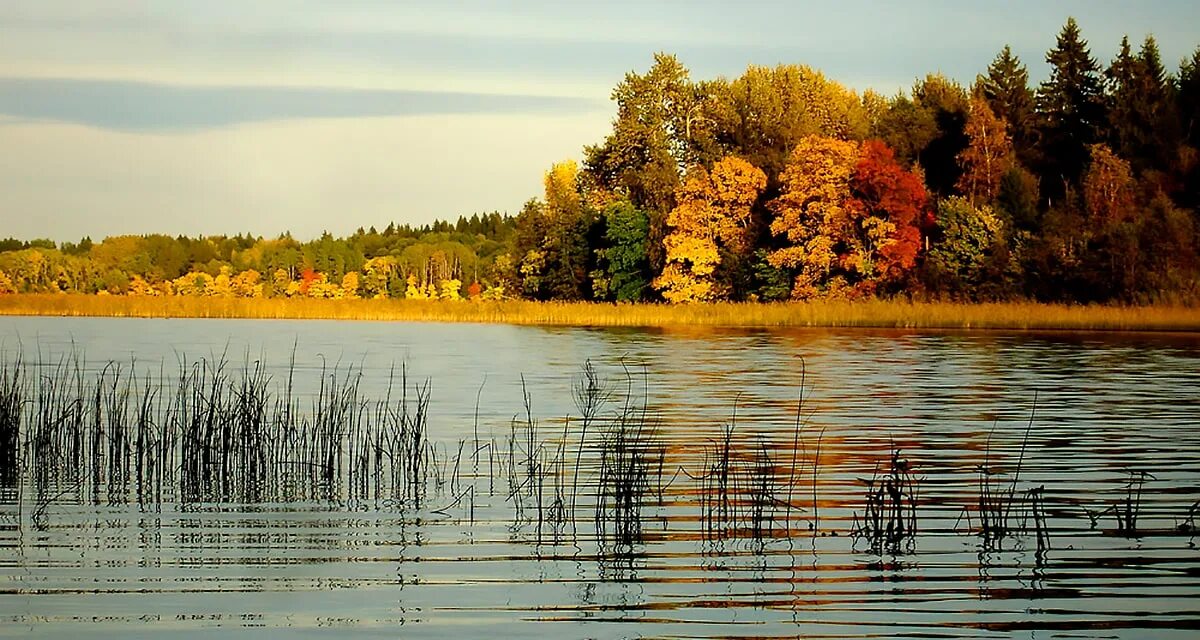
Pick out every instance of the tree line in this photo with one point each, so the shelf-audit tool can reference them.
(400, 261)
(780, 184)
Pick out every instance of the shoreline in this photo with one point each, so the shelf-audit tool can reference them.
(879, 314)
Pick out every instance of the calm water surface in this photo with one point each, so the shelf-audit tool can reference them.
(472, 560)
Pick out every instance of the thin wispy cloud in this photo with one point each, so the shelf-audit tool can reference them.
(137, 106)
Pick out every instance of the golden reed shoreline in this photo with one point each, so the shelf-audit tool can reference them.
(871, 313)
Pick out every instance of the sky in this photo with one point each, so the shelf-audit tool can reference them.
(203, 117)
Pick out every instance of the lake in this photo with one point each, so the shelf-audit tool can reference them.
(196, 477)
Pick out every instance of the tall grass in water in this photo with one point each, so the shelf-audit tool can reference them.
(897, 314)
(213, 432)
(12, 404)
(206, 435)
(889, 519)
(630, 474)
(1001, 509)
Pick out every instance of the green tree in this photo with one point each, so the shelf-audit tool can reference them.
(1188, 107)
(1017, 198)
(626, 265)
(763, 114)
(948, 104)
(906, 127)
(971, 238)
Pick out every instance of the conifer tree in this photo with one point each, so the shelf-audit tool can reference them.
(1006, 90)
(1071, 109)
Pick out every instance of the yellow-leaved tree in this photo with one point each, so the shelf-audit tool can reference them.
(713, 214)
(987, 157)
(813, 209)
(562, 193)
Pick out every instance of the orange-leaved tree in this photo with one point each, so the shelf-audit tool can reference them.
(896, 208)
(1107, 189)
(852, 217)
(712, 215)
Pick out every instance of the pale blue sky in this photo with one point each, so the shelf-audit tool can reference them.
(212, 116)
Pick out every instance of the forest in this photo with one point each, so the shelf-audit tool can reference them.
(778, 184)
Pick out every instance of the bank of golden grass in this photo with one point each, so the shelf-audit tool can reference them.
(873, 313)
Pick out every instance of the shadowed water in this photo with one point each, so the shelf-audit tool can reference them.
(778, 548)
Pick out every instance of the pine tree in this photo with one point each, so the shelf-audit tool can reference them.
(1070, 108)
(1121, 79)
(1160, 134)
(1188, 99)
(1187, 104)
(1006, 90)
(1144, 122)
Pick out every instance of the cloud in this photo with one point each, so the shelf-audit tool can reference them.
(142, 106)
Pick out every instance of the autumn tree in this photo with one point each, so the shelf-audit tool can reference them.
(988, 156)
(1109, 263)
(1107, 189)
(851, 216)
(895, 205)
(815, 213)
(761, 115)
(712, 217)
(552, 239)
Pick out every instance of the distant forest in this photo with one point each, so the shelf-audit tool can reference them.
(778, 184)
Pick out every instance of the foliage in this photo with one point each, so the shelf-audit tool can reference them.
(947, 103)
(987, 157)
(762, 115)
(1006, 90)
(1107, 189)
(1070, 107)
(971, 237)
(851, 216)
(713, 215)
(627, 267)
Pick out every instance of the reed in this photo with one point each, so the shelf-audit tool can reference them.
(996, 500)
(209, 435)
(889, 518)
(1127, 510)
(886, 314)
(630, 465)
(211, 432)
(1188, 526)
(12, 404)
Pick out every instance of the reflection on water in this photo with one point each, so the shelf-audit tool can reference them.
(695, 509)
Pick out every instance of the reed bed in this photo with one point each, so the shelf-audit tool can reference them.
(210, 432)
(883, 314)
